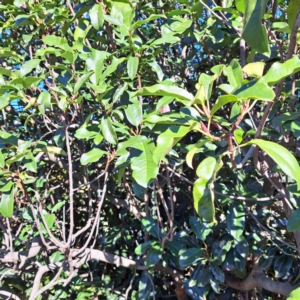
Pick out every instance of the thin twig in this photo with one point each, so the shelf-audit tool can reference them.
(247, 198)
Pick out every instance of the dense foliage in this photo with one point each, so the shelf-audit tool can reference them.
(149, 149)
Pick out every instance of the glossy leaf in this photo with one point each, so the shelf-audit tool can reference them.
(283, 158)
(254, 32)
(29, 66)
(193, 151)
(134, 113)
(279, 71)
(81, 81)
(7, 204)
(132, 66)
(119, 92)
(221, 101)
(255, 69)
(255, 90)
(145, 286)
(235, 219)
(294, 221)
(153, 256)
(150, 226)
(292, 11)
(97, 16)
(168, 139)
(91, 156)
(201, 229)
(189, 256)
(140, 249)
(282, 265)
(166, 40)
(164, 90)
(108, 130)
(156, 67)
(217, 272)
(143, 166)
(221, 247)
(139, 23)
(45, 99)
(294, 295)
(234, 73)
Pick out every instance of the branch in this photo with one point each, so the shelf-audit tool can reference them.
(9, 295)
(258, 279)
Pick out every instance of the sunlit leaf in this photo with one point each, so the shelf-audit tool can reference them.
(285, 160)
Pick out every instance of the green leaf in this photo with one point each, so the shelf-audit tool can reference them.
(217, 272)
(50, 219)
(255, 69)
(97, 16)
(8, 53)
(57, 206)
(143, 166)
(44, 99)
(7, 204)
(238, 135)
(283, 118)
(294, 295)
(145, 286)
(200, 228)
(30, 163)
(255, 90)
(193, 151)
(153, 256)
(168, 139)
(134, 113)
(108, 130)
(179, 25)
(111, 68)
(279, 71)
(6, 186)
(294, 221)
(283, 265)
(123, 11)
(4, 101)
(29, 66)
(221, 247)
(234, 73)
(113, 20)
(56, 257)
(266, 259)
(119, 92)
(206, 168)
(221, 101)
(82, 79)
(57, 41)
(241, 5)
(235, 219)
(254, 32)
(188, 257)
(292, 11)
(91, 156)
(202, 192)
(2, 161)
(166, 40)
(283, 158)
(141, 248)
(151, 227)
(294, 127)
(149, 19)
(164, 90)
(156, 67)
(132, 66)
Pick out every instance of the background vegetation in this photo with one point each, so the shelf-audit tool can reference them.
(149, 149)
